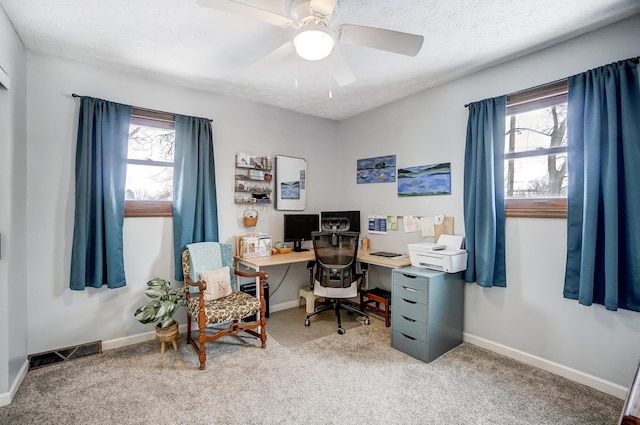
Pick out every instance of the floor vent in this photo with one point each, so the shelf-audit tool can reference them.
(64, 354)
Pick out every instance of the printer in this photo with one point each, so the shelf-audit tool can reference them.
(445, 255)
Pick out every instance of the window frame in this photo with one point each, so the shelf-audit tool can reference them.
(527, 100)
(143, 208)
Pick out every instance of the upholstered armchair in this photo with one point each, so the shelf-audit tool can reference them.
(213, 297)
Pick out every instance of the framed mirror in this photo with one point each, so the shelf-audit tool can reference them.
(291, 183)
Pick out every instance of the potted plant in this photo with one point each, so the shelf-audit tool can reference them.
(164, 302)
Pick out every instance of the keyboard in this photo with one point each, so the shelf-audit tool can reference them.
(390, 255)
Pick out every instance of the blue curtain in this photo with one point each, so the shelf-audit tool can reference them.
(101, 167)
(603, 217)
(484, 215)
(195, 213)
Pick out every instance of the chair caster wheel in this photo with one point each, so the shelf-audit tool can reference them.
(307, 322)
(340, 331)
(367, 321)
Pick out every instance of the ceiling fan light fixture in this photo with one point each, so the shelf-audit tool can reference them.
(313, 42)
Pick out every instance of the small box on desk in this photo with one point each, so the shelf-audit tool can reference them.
(251, 245)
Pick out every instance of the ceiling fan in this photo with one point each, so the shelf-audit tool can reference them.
(314, 40)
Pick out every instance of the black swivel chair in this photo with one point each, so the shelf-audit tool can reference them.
(333, 274)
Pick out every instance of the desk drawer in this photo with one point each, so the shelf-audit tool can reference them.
(413, 347)
(409, 326)
(413, 289)
(408, 308)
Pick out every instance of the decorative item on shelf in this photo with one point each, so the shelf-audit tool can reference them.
(268, 177)
(163, 304)
(256, 174)
(250, 218)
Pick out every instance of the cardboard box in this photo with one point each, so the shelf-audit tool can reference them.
(251, 245)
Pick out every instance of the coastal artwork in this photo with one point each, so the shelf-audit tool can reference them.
(425, 180)
(381, 169)
(290, 190)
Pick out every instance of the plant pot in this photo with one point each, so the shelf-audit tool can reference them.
(168, 334)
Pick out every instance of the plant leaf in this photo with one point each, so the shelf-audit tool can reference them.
(146, 314)
(153, 293)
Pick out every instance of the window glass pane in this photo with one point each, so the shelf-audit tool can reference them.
(540, 128)
(533, 173)
(147, 182)
(151, 143)
(542, 176)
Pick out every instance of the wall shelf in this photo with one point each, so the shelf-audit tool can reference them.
(253, 179)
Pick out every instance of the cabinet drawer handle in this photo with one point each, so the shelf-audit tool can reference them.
(407, 319)
(409, 276)
(407, 336)
(409, 301)
(406, 288)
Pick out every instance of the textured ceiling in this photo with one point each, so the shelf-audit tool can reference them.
(180, 42)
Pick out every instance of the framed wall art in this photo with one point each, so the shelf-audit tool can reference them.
(424, 180)
(380, 169)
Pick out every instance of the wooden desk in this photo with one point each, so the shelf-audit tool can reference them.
(366, 257)
(299, 257)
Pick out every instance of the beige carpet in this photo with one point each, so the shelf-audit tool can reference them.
(356, 378)
(287, 326)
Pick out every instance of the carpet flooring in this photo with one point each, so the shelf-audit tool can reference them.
(287, 326)
(356, 378)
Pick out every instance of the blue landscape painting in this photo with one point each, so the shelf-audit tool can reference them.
(381, 169)
(425, 180)
(290, 190)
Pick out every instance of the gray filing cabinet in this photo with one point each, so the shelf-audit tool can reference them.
(427, 309)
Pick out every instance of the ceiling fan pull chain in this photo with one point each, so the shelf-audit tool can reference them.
(330, 70)
(295, 79)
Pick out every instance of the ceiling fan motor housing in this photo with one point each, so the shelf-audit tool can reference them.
(300, 10)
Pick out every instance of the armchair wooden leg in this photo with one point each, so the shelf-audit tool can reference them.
(202, 337)
(263, 332)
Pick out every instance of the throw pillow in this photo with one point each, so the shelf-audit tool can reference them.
(218, 283)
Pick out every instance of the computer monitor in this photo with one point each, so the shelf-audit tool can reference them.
(352, 216)
(298, 228)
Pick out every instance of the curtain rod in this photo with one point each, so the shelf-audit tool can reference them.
(142, 109)
(634, 60)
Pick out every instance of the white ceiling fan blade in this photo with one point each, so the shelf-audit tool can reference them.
(340, 69)
(241, 9)
(378, 38)
(323, 7)
(276, 56)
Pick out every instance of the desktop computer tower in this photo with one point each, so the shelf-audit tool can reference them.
(250, 288)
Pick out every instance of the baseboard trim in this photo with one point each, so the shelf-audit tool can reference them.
(134, 339)
(558, 369)
(7, 398)
(284, 306)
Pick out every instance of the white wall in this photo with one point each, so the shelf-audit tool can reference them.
(104, 314)
(13, 287)
(530, 315)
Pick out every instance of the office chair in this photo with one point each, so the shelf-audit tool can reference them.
(333, 274)
(227, 309)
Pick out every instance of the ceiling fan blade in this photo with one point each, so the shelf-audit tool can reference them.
(378, 38)
(323, 7)
(241, 9)
(277, 55)
(340, 69)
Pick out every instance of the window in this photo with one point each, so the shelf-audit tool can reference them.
(535, 160)
(149, 185)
